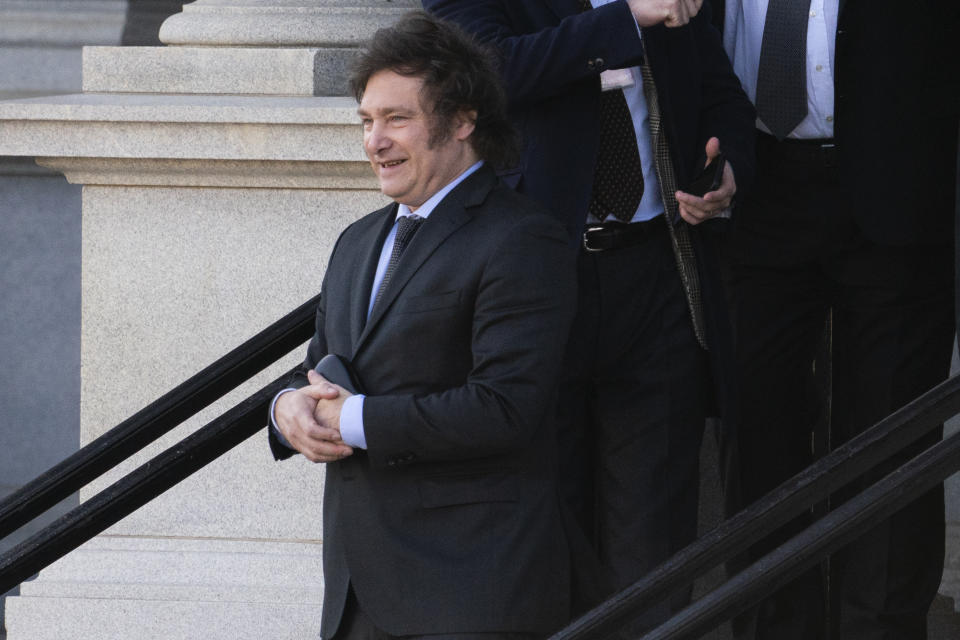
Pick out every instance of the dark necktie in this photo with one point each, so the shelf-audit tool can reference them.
(618, 174)
(406, 227)
(782, 76)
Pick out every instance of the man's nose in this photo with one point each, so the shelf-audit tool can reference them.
(376, 138)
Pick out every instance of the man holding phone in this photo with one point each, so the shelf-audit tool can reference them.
(621, 105)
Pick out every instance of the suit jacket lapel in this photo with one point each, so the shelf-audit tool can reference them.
(448, 217)
(363, 278)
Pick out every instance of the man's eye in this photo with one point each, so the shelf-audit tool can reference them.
(398, 118)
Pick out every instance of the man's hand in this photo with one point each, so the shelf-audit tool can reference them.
(672, 13)
(327, 411)
(295, 415)
(694, 209)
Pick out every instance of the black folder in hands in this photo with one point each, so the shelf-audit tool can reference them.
(338, 370)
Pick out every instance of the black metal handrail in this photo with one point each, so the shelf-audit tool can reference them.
(137, 488)
(156, 419)
(734, 536)
(836, 529)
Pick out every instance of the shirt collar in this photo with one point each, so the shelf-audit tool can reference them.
(427, 207)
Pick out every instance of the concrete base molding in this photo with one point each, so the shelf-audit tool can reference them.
(281, 23)
(200, 70)
(171, 589)
(178, 127)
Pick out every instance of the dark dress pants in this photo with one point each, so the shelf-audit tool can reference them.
(356, 624)
(799, 255)
(631, 414)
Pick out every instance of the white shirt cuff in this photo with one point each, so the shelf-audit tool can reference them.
(351, 422)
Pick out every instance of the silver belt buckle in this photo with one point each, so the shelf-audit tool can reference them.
(585, 245)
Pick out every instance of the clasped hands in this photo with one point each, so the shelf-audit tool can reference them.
(309, 418)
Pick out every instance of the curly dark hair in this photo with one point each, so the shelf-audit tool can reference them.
(459, 74)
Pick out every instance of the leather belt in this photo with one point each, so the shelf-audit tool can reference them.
(617, 235)
(817, 151)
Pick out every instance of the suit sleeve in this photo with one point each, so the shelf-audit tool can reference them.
(315, 351)
(521, 317)
(545, 63)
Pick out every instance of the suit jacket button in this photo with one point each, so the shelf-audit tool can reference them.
(599, 64)
(591, 64)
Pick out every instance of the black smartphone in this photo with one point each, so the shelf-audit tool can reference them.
(708, 179)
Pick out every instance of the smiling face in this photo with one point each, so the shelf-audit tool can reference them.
(411, 160)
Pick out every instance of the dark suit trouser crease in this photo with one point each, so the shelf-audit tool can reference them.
(797, 256)
(631, 414)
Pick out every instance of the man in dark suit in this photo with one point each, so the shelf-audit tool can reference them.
(851, 215)
(441, 514)
(638, 371)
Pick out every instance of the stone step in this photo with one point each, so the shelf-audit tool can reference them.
(118, 587)
(97, 619)
(126, 568)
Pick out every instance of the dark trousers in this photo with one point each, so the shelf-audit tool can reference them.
(357, 625)
(631, 414)
(798, 256)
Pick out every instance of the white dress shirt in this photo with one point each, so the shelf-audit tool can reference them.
(742, 39)
(351, 414)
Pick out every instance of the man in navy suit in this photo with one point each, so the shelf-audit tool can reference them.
(621, 104)
(440, 515)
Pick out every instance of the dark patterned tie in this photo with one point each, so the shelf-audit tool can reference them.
(618, 174)
(406, 227)
(782, 74)
(679, 230)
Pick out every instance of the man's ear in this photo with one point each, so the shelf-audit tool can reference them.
(466, 122)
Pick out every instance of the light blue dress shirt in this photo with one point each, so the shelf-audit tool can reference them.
(743, 37)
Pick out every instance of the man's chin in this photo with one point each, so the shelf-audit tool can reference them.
(392, 190)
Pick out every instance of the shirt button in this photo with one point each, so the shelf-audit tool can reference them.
(813, 14)
(819, 67)
(829, 118)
